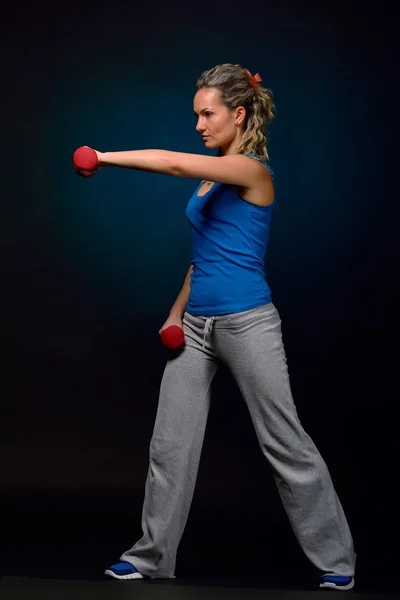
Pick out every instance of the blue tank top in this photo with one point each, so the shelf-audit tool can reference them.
(229, 243)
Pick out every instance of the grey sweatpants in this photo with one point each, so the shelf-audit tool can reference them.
(250, 344)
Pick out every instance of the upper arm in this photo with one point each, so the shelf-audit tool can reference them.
(235, 169)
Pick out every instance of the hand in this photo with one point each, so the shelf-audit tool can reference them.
(83, 172)
(172, 320)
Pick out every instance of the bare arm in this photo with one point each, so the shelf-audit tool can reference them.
(179, 306)
(235, 169)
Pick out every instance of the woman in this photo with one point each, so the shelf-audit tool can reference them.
(226, 312)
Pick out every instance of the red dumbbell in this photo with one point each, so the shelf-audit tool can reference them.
(85, 159)
(172, 336)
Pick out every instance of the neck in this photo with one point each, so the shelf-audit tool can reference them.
(230, 148)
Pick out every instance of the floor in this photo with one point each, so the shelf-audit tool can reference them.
(22, 588)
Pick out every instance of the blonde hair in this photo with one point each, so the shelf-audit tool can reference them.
(237, 90)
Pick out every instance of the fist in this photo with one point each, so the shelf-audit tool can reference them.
(86, 161)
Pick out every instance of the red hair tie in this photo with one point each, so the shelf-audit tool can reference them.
(254, 79)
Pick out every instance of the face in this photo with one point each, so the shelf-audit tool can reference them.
(219, 127)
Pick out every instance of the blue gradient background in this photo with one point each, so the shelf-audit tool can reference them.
(90, 268)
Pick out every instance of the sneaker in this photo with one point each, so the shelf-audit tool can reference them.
(337, 583)
(123, 570)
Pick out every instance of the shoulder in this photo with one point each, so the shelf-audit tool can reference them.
(263, 164)
(233, 169)
(262, 192)
(254, 170)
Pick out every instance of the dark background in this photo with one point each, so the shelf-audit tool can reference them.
(90, 269)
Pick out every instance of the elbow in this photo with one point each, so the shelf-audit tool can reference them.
(176, 170)
(168, 165)
(175, 167)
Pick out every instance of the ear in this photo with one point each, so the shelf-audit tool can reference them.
(240, 115)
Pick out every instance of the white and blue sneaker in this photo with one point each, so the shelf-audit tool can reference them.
(335, 582)
(123, 570)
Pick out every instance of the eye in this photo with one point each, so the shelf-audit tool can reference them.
(208, 114)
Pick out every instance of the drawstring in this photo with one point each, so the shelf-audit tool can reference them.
(208, 328)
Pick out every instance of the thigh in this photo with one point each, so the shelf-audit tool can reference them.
(252, 347)
(185, 388)
(251, 344)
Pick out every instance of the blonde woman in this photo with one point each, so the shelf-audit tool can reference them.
(227, 315)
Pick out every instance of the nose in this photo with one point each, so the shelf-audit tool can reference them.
(200, 125)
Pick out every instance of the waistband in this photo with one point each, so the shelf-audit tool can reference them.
(226, 321)
(229, 320)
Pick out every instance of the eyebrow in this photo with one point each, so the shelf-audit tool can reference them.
(203, 110)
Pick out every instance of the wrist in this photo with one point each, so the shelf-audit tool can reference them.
(102, 158)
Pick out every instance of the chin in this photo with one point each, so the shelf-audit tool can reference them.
(210, 144)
